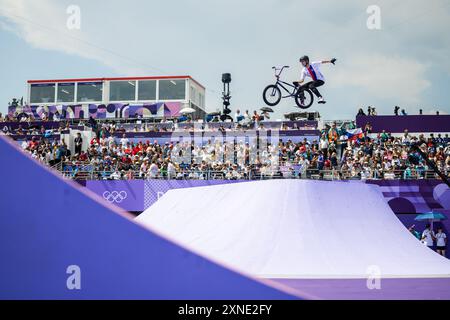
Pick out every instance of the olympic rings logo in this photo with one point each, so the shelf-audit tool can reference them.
(115, 196)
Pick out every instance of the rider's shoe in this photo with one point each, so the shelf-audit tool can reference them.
(321, 100)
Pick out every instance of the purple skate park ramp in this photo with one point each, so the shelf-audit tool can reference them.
(58, 227)
(327, 238)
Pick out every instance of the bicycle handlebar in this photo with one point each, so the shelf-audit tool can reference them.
(279, 69)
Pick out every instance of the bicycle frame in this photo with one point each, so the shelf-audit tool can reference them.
(281, 84)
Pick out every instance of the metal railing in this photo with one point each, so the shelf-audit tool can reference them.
(85, 173)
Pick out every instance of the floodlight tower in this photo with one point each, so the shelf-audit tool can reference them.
(226, 97)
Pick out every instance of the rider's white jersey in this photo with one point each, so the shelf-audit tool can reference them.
(313, 71)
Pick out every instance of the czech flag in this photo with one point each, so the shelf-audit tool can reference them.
(354, 134)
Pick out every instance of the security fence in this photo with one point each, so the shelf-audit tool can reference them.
(89, 172)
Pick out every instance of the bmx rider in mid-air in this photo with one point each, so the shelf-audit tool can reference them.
(312, 70)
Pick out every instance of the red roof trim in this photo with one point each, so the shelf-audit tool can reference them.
(114, 79)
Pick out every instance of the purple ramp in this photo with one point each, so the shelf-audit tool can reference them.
(59, 225)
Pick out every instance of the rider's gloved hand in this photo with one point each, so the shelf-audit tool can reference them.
(333, 61)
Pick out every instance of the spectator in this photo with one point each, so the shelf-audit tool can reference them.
(406, 139)
(368, 128)
(56, 116)
(414, 232)
(428, 236)
(247, 119)
(441, 242)
(256, 117)
(116, 175)
(78, 143)
(323, 144)
(333, 134)
(124, 141)
(238, 117)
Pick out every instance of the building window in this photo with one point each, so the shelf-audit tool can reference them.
(122, 91)
(90, 91)
(66, 92)
(172, 89)
(147, 90)
(42, 93)
(192, 94)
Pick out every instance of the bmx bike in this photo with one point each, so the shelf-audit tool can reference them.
(272, 94)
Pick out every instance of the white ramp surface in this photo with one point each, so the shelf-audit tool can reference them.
(295, 229)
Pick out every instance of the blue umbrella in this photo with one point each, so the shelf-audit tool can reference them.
(431, 217)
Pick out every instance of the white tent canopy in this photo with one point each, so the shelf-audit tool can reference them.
(295, 229)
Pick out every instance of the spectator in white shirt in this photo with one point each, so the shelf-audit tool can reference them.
(428, 236)
(323, 144)
(153, 170)
(56, 116)
(406, 139)
(124, 141)
(115, 175)
(171, 170)
(441, 242)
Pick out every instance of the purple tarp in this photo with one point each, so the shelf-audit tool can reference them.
(45, 234)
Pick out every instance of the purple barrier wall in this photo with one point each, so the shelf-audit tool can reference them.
(63, 225)
(404, 197)
(398, 124)
(129, 195)
(138, 195)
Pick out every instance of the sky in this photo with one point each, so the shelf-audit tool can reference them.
(405, 62)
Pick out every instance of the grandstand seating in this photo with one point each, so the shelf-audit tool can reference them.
(143, 149)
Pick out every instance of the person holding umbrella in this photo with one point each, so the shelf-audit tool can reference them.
(428, 236)
(441, 242)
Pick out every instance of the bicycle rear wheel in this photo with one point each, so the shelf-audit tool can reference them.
(272, 95)
(304, 99)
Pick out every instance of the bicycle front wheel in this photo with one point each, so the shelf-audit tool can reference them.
(272, 95)
(304, 99)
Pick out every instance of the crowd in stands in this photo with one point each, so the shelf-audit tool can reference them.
(108, 127)
(367, 156)
(33, 128)
(363, 156)
(29, 117)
